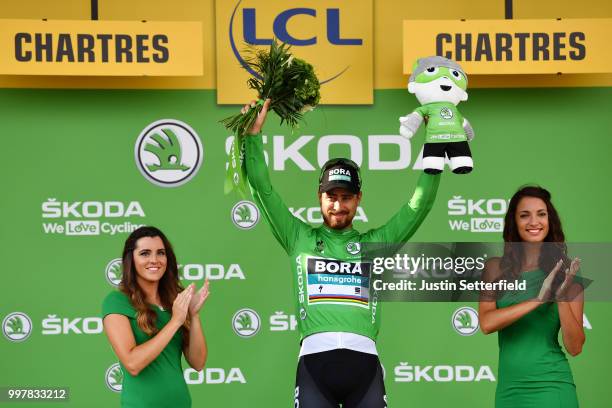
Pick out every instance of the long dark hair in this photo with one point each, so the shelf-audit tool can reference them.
(169, 284)
(550, 254)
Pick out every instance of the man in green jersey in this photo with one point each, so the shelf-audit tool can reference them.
(338, 315)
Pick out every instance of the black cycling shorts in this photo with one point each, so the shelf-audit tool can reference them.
(328, 379)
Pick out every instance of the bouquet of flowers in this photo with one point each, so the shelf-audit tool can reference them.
(293, 88)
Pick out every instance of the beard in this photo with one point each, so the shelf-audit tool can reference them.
(339, 223)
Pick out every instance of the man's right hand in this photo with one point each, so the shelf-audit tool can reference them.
(261, 117)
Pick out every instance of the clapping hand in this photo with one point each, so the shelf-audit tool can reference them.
(181, 305)
(198, 299)
(570, 273)
(546, 290)
(569, 278)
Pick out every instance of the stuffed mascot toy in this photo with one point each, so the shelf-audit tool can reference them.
(439, 84)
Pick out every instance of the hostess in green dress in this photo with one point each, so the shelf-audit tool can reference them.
(160, 384)
(533, 370)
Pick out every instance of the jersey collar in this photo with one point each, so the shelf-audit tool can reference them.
(344, 232)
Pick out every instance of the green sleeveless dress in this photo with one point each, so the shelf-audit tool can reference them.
(161, 383)
(533, 370)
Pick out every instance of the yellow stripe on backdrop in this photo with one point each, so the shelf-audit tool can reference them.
(388, 19)
(575, 46)
(93, 48)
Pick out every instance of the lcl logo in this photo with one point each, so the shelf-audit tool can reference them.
(280, 28)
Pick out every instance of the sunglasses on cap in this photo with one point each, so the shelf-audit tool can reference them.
(340, 161)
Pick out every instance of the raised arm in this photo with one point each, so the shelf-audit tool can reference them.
(410, 216)
(285, 226)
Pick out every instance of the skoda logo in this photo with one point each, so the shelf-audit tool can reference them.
(465, 321)
(246, 322)
(168, 153)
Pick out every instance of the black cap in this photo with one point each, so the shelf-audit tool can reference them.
(340, 173)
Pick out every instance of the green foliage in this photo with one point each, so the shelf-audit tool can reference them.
(290, 83)
(15, 325)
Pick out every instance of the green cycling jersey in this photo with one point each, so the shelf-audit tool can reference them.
(332, 288)
(444, 122)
